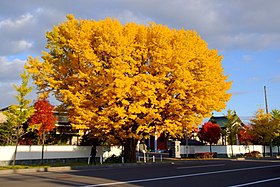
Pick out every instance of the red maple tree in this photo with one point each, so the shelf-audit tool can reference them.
(244, 135)
(43, 117)
(210, 133)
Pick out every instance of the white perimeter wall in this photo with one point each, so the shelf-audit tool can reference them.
(226, 150)
(64, 152)
(55, 152)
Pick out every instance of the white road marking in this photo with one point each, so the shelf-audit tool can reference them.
(180, 176)
(256, 182)
(203, 166)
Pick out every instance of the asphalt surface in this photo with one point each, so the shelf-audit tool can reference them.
(195, 173)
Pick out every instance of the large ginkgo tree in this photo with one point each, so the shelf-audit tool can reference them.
(125, 82)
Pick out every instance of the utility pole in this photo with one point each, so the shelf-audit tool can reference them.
(266, 110)
(265, 99)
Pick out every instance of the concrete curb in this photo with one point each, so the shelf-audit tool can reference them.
(34, 170)
(240, 158)
(73, 168)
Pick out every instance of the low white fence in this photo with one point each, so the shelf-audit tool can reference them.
(226, 150)
(55, 152)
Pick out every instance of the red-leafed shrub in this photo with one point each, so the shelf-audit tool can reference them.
(206, 155)
(254, 154)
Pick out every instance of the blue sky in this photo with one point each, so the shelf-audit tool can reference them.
(246, 33)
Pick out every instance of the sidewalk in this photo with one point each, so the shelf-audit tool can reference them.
(85, 167)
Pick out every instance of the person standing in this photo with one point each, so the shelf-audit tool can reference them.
(93, 154)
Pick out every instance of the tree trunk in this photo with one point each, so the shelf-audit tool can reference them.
(270, 149)
(210, 148)
(130, 150)
(249, 148)
(15, 154)
(43, 144)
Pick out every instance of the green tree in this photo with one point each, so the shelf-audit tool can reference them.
(276, 120)
(17, 115)
(7, 134)
(276, 142)
(265, 127)
(275, 114)
(232, 128)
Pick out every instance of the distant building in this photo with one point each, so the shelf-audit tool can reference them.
(3, 118)
(65, 130)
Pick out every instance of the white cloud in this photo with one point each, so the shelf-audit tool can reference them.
(16, 34)
(9, 75)
(10, 69)
(253, 41)
(128, 16)
(19, 46)
(250, 24)
(16, 23)
(7, 94)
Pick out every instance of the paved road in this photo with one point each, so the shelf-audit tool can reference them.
(187, 173)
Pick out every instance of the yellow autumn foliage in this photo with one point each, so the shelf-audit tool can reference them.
(130, 80)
